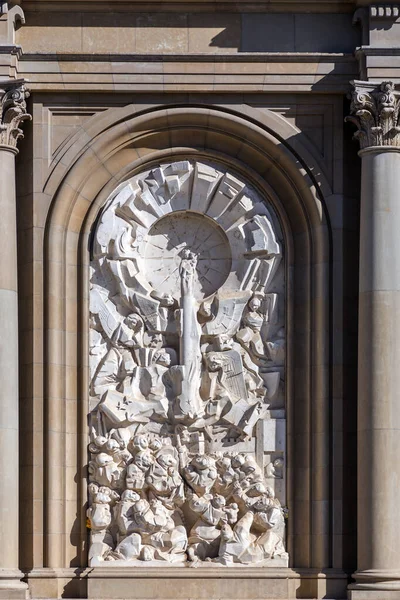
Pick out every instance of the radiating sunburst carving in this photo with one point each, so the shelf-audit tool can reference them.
(165, 241)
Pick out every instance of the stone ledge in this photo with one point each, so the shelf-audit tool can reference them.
(213, 573)
(215, 584)
(373, 595)
(146, 583)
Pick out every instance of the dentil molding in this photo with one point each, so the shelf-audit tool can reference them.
(13, 113)
(374, 110)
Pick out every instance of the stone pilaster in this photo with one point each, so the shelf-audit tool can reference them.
(375, 112)
(12, 114)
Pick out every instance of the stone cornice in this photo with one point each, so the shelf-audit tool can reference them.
(374, 110)
(190, 5)
(13, 112)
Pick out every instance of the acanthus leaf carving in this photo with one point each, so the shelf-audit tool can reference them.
(187, 359)
(13, 112)
(375, 113)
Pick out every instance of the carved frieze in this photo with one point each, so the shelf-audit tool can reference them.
(13, 112)
(375, 113)
(187, 358)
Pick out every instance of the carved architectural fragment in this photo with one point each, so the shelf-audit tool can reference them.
(13, 95)
(187, 360)
(375, 112)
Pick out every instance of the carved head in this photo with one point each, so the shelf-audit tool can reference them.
(218, 501)
(103, 496)
(223, 342)
(263, 504)
(238, 461)
(93, 488)
(130, 495)
(202, 462)
(154, 340)
(112, 446)
(140, 442)
(155, 444)
(250, 466)
(185, 253)
(167, 461)
(214, 361)
(162, 358)
(255, 303)
(134, 322)
(100, 440)
(224, 463)
(103, 459)
(257, 489)
(144, 460)
(167, 300)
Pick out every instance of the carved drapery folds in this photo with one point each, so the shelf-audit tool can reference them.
(375, 112)
(13, 97)
(187, 352)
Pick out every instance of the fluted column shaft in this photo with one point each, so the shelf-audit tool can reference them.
(375, 112)
(13, 111)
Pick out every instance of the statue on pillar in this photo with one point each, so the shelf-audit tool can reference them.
(189, 404)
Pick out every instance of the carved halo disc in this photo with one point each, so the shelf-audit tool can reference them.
(200, 234)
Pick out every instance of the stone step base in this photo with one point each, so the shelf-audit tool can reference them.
(121, 583)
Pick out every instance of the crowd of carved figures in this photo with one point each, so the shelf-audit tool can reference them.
(152, 500)
(187, 354)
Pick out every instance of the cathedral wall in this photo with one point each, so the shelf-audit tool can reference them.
(79, 160)
(115, 94)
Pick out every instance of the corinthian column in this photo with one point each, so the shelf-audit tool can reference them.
(12, 113)
(375, 111)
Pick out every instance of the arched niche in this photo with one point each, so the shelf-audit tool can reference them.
(273, 157)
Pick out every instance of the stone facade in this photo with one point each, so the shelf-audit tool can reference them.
(199, 300)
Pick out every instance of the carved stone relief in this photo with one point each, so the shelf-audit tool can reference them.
(13, 113)
(187, 354)
(375, 111)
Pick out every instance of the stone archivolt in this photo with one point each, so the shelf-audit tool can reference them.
(12, 113)
(376, 115)
(187, 361)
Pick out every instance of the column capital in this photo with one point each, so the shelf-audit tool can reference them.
(13, 95)
(375, 111)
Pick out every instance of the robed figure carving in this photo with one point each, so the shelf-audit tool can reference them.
(188, 404)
